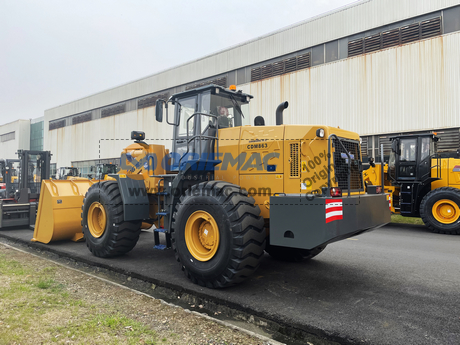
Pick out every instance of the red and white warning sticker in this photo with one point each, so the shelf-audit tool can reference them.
(334, 210)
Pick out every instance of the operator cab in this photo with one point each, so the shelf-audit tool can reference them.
(104, 169)
(64, 172)
(198, 115)
(410, 157)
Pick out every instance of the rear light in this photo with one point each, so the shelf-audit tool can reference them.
(336, 192)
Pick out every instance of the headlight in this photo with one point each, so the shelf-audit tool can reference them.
(320, 132)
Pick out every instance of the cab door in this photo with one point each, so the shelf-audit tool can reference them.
(407, 167)
(188, 107)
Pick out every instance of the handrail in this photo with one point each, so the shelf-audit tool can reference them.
(329, 162)
(201, 136)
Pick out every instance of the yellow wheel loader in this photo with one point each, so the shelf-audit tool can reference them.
(67, 173)
(229, 191)
(421, 182)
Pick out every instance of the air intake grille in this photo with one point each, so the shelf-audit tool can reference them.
(355, 48)
(410, 33)
(431, 27)
(294, 160)
(341, 164)
(386, 39)
(56, 124)
(292, 64)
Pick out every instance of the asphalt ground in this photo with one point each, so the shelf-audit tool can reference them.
(396, 285)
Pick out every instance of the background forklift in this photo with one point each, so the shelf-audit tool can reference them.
(9, 171)
(20, 206)
(422, 182)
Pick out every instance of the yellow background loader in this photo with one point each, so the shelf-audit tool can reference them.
(421, 182)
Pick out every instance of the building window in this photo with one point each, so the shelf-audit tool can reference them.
(36, 136)
(7, 136)
(53, 170)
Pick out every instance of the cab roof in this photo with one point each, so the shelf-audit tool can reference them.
(212, 87)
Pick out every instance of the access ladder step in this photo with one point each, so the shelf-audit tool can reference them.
(162, 213)
(160, 246)
(160, 230)
(162, 193)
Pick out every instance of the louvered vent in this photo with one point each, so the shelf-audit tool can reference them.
(386, 145)
(410, 33)
(294, 160)
(219, 81)
(290, 65)
(448, 139)
(390, 38)
(281, 67)
(372, 43)
(364, 146)
(266, 71)
(150, 101)
(255, 74)
(117, 109)
(394, 37)
(355, 48)
(303, 61)
(81, 118)
(56, 124)
(278, 68)
(431, 27)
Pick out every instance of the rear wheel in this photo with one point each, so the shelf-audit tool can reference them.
(440, 210)
(106, 233)
(293, 254)
(218, 236)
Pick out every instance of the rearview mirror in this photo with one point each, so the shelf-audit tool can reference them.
(395, 146)
(159, 110)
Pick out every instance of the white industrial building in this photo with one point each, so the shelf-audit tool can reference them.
(14, 136)
(375, 67)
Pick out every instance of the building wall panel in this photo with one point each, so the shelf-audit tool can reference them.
(411, 87)
(358, 17)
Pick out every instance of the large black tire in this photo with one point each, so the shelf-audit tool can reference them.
(118, 236)
(451, 224)
(292, 254)
(240, 228)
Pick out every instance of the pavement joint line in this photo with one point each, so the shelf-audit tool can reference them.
(210, 318)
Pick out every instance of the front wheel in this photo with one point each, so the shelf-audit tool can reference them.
(440, 210)
(105, 231)
(218, 235)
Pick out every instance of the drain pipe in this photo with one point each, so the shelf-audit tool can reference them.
(279, 113)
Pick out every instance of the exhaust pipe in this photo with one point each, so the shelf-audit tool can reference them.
(279, 113)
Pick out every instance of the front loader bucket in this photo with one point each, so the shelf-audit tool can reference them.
(59, 210)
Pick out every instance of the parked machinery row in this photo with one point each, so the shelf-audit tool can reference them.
(421, 181)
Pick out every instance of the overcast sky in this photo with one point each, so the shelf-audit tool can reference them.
(57, 51)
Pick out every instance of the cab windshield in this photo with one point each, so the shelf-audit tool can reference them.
(229, 110)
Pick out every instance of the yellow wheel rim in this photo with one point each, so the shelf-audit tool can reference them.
(202, 235)
(446, 211)
(97, 219)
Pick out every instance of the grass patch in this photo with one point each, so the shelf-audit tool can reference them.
(36, 308)
(396, 218)
(111, 328)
